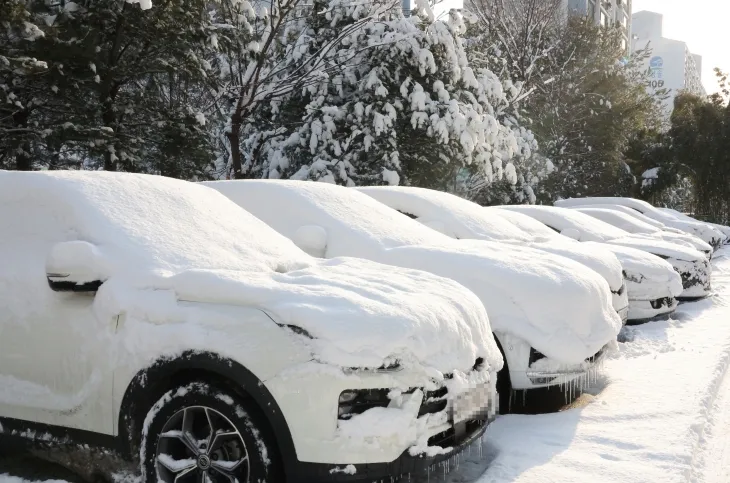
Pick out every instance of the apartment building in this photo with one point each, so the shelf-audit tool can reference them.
(605, 13)
(671, 65)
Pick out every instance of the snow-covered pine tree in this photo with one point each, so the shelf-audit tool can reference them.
(18, 67)
(400, 104)
(122, 86)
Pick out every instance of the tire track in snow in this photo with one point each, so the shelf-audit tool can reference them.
(710, 461)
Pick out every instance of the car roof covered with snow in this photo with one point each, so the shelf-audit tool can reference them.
(525, 291)
(155, 233)
(587, 228)
(446, 213)
(725, 230)
(526, 223)
(706, 232)
(463, 219)
(561, 219)
(619, 220)
(624, 210)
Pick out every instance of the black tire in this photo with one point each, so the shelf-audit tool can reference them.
(223, 410)
(504, 389)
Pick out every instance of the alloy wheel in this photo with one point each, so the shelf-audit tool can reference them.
(200, 445)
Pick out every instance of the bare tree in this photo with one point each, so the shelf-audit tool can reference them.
(518, 31)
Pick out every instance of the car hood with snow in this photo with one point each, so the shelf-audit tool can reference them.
(583, 227)
(705, 232)
(647, 277)
(462, 219)
(147, 236)
(527, 293)
(642, 229)
(725, 230)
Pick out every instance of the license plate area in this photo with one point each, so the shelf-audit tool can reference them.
(472, 404)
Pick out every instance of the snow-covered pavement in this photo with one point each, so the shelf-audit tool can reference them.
(661, 414)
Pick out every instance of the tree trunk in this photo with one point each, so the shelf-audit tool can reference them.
(109, 119)
(22, 146)
(234, 138)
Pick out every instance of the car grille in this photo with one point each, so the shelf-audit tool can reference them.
(433, 401)
(663, 302)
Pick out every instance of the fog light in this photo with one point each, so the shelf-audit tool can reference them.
(357, 401)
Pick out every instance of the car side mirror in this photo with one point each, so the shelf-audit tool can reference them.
(571, 233)
(74, 266)
(312, 239)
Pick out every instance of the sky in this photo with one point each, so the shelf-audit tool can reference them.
(702, 24)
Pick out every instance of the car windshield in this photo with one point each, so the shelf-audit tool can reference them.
(145, 222)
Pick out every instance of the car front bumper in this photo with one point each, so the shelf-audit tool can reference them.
(645, 310)
(327, 451)
(545, 373)
(696, 278)
(405, 467)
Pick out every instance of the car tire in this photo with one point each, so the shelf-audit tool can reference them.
(177, 440)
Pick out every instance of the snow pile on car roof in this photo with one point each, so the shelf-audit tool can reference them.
(447, 213)
(463, 219)
(153, 235)
(559, 306)
(560, 219)
(526, 223)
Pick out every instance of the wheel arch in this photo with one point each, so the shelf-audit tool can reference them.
(149, 384)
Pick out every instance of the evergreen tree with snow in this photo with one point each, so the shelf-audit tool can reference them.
(400, 105)
(122, 86)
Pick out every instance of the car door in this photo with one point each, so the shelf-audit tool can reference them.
(53, 364)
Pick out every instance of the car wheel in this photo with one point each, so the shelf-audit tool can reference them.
(199, 433)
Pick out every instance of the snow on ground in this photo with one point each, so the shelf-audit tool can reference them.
(660, 414)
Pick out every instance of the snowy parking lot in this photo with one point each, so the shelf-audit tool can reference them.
(658, 413)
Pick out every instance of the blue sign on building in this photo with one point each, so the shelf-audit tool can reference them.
(656, 67)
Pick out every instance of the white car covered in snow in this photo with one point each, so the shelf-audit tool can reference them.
(464, 220)
(725, 230)
(157, 318)
(692, 265)
(651, 283)
(638, 227)
(551, 316)
(701, 230)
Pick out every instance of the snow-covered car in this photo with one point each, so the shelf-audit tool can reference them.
(157, 318)
(703, 231)
(638, 227)
(464, 220)
(652, 284)
(692, 265)
(725, 230)
(552, 317)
